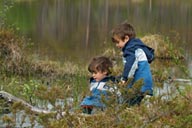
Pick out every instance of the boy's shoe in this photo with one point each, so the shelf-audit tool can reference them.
(87, 109)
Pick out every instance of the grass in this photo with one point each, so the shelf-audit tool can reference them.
(41, 82)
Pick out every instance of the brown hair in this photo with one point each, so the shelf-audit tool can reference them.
(101, 64)
(122, 30)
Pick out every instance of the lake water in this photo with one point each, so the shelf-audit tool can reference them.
(78, 30)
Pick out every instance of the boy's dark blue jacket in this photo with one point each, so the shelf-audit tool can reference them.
(134, 44)
(129, 51)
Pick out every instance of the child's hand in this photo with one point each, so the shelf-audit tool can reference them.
(123, 82)
(120, 80)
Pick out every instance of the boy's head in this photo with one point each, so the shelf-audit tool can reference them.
(100, 64)
(122, 33)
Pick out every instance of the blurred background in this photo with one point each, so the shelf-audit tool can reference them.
(80, 29)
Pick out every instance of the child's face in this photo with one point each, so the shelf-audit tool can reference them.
(98, 76)
(119, 42)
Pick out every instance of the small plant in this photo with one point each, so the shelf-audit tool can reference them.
(29, 90)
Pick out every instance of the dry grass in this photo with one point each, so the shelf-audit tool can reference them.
(163, 48)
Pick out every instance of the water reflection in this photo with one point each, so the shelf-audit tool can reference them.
(63, 29)
(190, 67)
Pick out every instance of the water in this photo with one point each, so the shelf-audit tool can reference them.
(19, 121)
(170, 90)
(72, 30)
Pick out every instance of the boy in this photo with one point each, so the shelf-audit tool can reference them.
(100, 68)
(136, 59)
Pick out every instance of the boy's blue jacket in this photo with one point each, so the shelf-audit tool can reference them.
(136, 58)
(98, 89)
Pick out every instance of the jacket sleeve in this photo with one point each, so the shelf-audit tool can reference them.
(129, 56)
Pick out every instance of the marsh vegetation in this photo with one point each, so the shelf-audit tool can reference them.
(42, 83)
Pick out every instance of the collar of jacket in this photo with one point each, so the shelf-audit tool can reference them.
(107, 78)
(133, 42)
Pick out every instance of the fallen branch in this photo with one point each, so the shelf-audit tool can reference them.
(9, 97)
(170, 79)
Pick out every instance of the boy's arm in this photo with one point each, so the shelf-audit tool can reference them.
(129, 57)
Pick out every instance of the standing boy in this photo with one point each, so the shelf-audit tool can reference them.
(136, 59)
